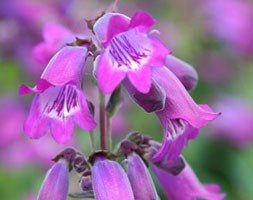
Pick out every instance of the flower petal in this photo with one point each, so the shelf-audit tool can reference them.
(142, 20)
(152, 101)
(141, 79)
(176, 136)
(183, 71)
(110, 181)
(108, 78)
(184, 186)
(179, 104)
(36, 124)
(110, 25)
(56, 182)
(83, 117)
(62, 130)
(69, 63)
(140, 179)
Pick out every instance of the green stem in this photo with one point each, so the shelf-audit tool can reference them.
(92, 141)
(102, 119)
(108, 131)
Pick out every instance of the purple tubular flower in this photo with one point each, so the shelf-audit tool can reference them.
(110, 182)
(183, 71)
(181, 117)
(56, 182)
(55, 37)
(185, 186)
(129, 51)
(59, 99)
(140, 179)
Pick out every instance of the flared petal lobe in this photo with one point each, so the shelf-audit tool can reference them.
(110, 182)
(140, 179)
(186, 185)
(56, 182)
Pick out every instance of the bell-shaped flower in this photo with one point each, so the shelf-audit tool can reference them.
(56, 182)
(55, 37)
(109, 181)
(59, 99)
(185, 185)
(130, 52)
(140, 179)
(181, 117)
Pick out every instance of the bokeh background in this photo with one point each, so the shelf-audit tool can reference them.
(214, 36)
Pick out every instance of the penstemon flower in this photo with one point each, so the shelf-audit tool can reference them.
(59, 100)
(129, 51)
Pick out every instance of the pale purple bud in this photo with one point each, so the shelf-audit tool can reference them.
(56, 182)
(140, 179)
(110, 182)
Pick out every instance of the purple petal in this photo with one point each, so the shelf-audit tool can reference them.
(109, 25)
(183, 71)
(36, 124)
(141, 79)
(179, 104)
(62, 130)
(69, 63)
(56, 182)
(176, 136)
(142, 20)
(108, 78)
(152, 101)
(41, 86)
(140, 179)
(184, 186)
(159, 52)
(83, 117)
(110, 181)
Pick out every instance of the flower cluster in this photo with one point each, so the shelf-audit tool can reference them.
(126, 54)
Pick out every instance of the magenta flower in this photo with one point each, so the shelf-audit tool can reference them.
(56, 182)
(234, 111)
(129, 51)
(55, 37)
(140, 179)
(185, 186)
(59, 99)
(181, 117)
(110, 182)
